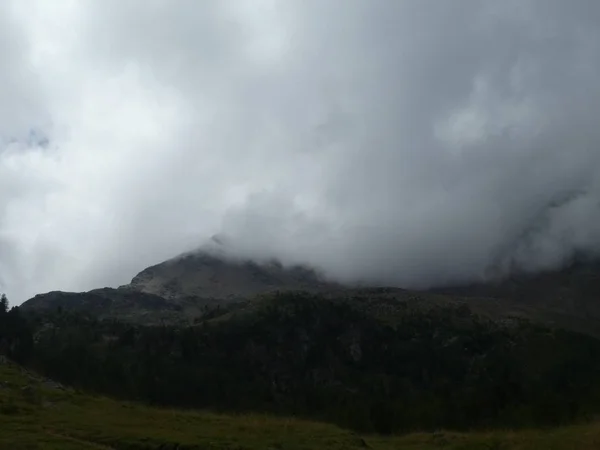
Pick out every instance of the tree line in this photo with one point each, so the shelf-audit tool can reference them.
(16, 333)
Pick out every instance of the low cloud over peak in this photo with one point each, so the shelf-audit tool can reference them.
(410, 143)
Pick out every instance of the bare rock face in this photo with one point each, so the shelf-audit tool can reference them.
(209, 275)
(216, 272)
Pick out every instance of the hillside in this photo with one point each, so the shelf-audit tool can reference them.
(379, 365)
(106, 303)
(573, 290)
(36, 413)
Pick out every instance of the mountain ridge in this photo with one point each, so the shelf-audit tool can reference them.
(189, 286)
(183, 288)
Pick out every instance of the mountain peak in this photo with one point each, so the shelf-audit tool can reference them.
(214, 272)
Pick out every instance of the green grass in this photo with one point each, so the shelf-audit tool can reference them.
(38, 415)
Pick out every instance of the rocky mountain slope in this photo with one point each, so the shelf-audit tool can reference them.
(186, 287)
(183, 288)
(207, 275)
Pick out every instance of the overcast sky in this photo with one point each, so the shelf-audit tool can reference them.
(407, 142)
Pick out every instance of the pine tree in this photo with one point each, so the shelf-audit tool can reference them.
(3, 304)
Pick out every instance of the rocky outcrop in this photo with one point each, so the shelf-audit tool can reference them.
(207, 275)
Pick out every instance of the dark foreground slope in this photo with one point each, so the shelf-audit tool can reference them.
(379, 365)
(37, 414)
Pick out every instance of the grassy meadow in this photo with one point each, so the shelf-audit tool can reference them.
(38, 414)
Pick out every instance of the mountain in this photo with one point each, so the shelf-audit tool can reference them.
(183, 288)
(205, 275)
(187, 287)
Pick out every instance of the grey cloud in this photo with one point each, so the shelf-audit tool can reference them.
(407, 142)
(20, 106)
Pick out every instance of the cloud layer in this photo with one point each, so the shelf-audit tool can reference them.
(409, 142)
